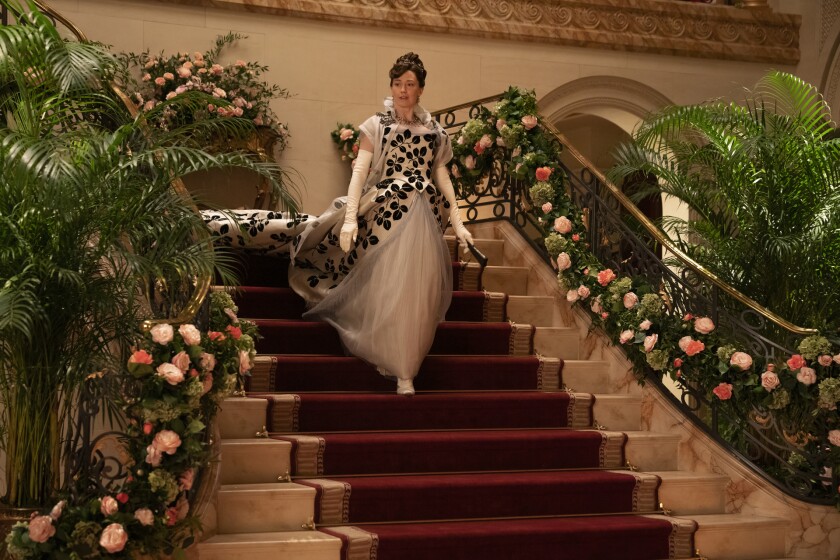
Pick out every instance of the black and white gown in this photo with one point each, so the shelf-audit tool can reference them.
(386, 296)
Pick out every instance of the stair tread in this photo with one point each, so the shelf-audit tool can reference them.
(272, 537)
(261, 487)
(734, 520)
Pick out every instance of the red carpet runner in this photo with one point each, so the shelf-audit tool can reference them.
(485, 462)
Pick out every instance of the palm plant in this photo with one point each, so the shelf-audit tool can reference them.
(762, 181)
(89, 227)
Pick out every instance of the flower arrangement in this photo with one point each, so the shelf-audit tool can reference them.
(346, 139)
(801, 392)
(183, 375)
(238, 87)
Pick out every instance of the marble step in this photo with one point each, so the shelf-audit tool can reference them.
(262, 508)
(739, 536)
(618, 412)
(254, 461)
(291, 545)
(241, 417)
(587, 376)
(557, 342)
(493, 249)
(651, 451)
(691, 493)
(534, 310)
(512, 280)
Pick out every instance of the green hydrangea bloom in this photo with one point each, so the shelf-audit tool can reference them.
(512, 134)
(829, 393)
(658, 359)
(542, 192)
(813, 346)
(650, 306)
(620, 287)
(797, 460)
(163, 482)
(555, 244)
(473, 130)
(725, 352)
(85, 536)
(779, 399)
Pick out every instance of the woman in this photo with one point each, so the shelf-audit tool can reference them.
(375, 265)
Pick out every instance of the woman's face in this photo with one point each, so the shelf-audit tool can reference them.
(406, 90)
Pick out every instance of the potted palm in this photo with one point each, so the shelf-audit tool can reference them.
(93, 239)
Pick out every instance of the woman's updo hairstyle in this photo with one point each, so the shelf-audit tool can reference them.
(412, 62)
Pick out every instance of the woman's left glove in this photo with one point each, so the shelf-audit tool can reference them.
(444, 184)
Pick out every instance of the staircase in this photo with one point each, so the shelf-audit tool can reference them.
(492, 459)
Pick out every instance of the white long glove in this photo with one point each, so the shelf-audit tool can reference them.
(444, 184)
(350, 229)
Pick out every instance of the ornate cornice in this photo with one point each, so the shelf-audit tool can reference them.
(655, 26)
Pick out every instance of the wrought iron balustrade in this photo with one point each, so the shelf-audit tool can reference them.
(623, 239)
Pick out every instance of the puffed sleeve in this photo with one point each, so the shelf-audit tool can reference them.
(370, 128)
(443, 154)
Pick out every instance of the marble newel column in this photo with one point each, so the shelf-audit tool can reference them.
(754, 4)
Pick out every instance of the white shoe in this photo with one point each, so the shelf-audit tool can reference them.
(405, 387)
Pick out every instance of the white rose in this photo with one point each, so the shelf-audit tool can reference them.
(171, 373)
(806, 376)
(645, 325)
(572, 296)
(190, 334)
(564, 261)
(684, 342)
(167, 441)
(163, 333)
(144, 516)
(208, 361)
(626, 336)
(650, 342)
(630, 300)
(109, 506)
(583, 292)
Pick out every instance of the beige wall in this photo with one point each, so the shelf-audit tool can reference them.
(338, 72)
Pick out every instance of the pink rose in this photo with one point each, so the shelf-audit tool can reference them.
(219, 92)
(694, 347)
(167, 441)
(185, 481)
(807, 376)
(58, 509)
(564, 261)
(190, 334)
(834, 437)
(170, 95)
(626, 336)
(630, 300)
(122, 498)
(217, 69)
(208, 361)
(184, 72)
(596, 305)
(500, 123)
(796, 361)
(583, 292)
(245, 364)
(836, 359)
(113, 538)
(345, 134)
(572, 296)
(650, 342)
(41, 528)
(109, 506)
(684, 342)
(678, 362)
(140, 357)
(546, 208)
(171, 516)
(529, 121)
(241, 63)
(824, 360)
(543, 173)
(769, 380)
(162, 333)
(187, 64)
(147, 77)
(741, 360)
(150, 63)
(469, 162)
(206, 384)
(478, 148)
(455, 172)
(149, 105)
(562, 225)
(144, 516)
(180, 89)
(147, 428)
(153, 456)
(723, 391)
(576, 237)
(171, 373)
(181, 360)
(645, 325)
(606, 276)
(688, 317)
(703, 325)
(159, 81)
(168, 76)
(234, 332)
(485, 141)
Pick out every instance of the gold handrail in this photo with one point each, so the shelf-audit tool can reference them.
(652, 229)
(663, 240)
(203, 283)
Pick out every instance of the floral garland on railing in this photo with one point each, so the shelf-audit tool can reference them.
(183, 375)
(346, 139)
(801, 392)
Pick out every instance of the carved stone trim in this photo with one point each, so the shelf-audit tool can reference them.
(653, 26)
